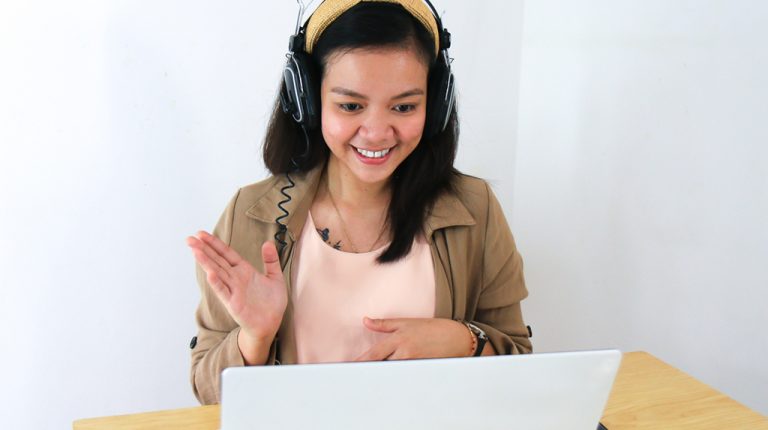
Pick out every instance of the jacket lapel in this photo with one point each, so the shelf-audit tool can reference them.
(448, 211)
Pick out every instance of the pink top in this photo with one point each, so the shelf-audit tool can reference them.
(333, 290)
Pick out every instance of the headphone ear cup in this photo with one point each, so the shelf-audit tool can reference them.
(440, 99)
(289, 92)
(299, 93)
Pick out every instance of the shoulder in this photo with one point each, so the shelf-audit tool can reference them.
(250, 203)
(268, 192)
(469, 202)
(470, 185)
(249, 194)
(474, 193)
(245, 198)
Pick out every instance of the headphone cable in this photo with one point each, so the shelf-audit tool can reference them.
(282, 229)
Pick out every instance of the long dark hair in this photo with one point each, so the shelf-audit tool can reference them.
(425, 174)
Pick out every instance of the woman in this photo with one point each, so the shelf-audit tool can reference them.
(388, 252)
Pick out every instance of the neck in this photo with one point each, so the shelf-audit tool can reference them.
(348, 190)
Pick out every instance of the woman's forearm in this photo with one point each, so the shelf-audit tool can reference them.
(255, 351)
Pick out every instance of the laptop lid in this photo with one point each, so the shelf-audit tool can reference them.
(566, 390)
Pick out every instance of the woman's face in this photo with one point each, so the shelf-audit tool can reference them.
(373, 110)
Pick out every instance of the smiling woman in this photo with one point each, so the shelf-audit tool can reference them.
(386, 251)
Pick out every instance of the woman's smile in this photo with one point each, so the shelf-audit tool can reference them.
(373, 157)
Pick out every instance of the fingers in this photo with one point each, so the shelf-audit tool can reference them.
(219, 287)
(387, 348)
(221, 248)
(382, 325)
(380, 351)
(216, 268)
(212, 271)
(219, 263)
(271, 261)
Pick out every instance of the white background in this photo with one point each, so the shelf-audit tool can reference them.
(641, 183)
(636, 185)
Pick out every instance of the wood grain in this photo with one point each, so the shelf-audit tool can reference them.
(200, 418)
(650, 394)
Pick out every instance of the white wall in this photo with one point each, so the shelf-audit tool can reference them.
(641, 188)
(126, 126)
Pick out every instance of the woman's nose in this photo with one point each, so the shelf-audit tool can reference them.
(377, 127)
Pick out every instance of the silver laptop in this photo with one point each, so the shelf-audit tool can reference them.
(557, 391)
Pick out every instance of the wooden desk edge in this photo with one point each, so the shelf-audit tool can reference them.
(196, 417)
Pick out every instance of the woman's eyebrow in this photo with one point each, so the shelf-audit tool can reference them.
(355, 94)
(347, 92)
(413, 92)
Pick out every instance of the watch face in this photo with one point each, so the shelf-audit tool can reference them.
(478, 331)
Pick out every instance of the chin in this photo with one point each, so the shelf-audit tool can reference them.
(370, 177)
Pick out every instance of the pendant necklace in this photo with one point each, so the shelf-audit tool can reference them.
(343, 224)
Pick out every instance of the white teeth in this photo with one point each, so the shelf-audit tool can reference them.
(372, 154)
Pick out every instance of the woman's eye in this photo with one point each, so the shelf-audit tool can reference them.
(349, 107)
(404, 108)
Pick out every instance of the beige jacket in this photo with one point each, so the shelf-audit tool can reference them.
(478, 271)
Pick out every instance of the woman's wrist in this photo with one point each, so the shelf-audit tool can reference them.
(478, 338)
(473, 339)
(254, 349)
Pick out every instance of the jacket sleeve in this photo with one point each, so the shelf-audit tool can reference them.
(503, 287)
(216, 347)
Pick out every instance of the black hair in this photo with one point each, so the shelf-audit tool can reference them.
(426, 173)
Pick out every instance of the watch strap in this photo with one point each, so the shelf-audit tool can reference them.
(480, 338)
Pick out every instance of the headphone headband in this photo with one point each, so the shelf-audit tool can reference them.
(328, 11)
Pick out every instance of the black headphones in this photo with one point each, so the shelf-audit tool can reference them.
(299, 95)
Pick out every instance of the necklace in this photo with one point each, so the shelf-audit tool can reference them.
(344, 225)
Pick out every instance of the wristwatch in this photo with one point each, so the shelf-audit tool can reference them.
(482, 338)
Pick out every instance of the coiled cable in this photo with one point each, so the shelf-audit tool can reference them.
(282, 229)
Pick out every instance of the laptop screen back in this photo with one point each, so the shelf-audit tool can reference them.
(537, 391)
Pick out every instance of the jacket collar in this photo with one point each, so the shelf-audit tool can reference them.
(266, 208)
(447, 211)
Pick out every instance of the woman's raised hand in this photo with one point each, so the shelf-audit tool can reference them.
(255, 301)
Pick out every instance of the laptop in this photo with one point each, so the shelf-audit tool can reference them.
(566, 390)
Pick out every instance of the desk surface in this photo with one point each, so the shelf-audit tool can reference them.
(647, 394)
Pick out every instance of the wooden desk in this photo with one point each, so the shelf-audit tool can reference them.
(647, 394)
(650, 394)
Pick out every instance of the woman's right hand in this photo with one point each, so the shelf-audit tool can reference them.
(255, 301)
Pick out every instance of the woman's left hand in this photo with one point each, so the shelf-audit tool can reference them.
(418, 338)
